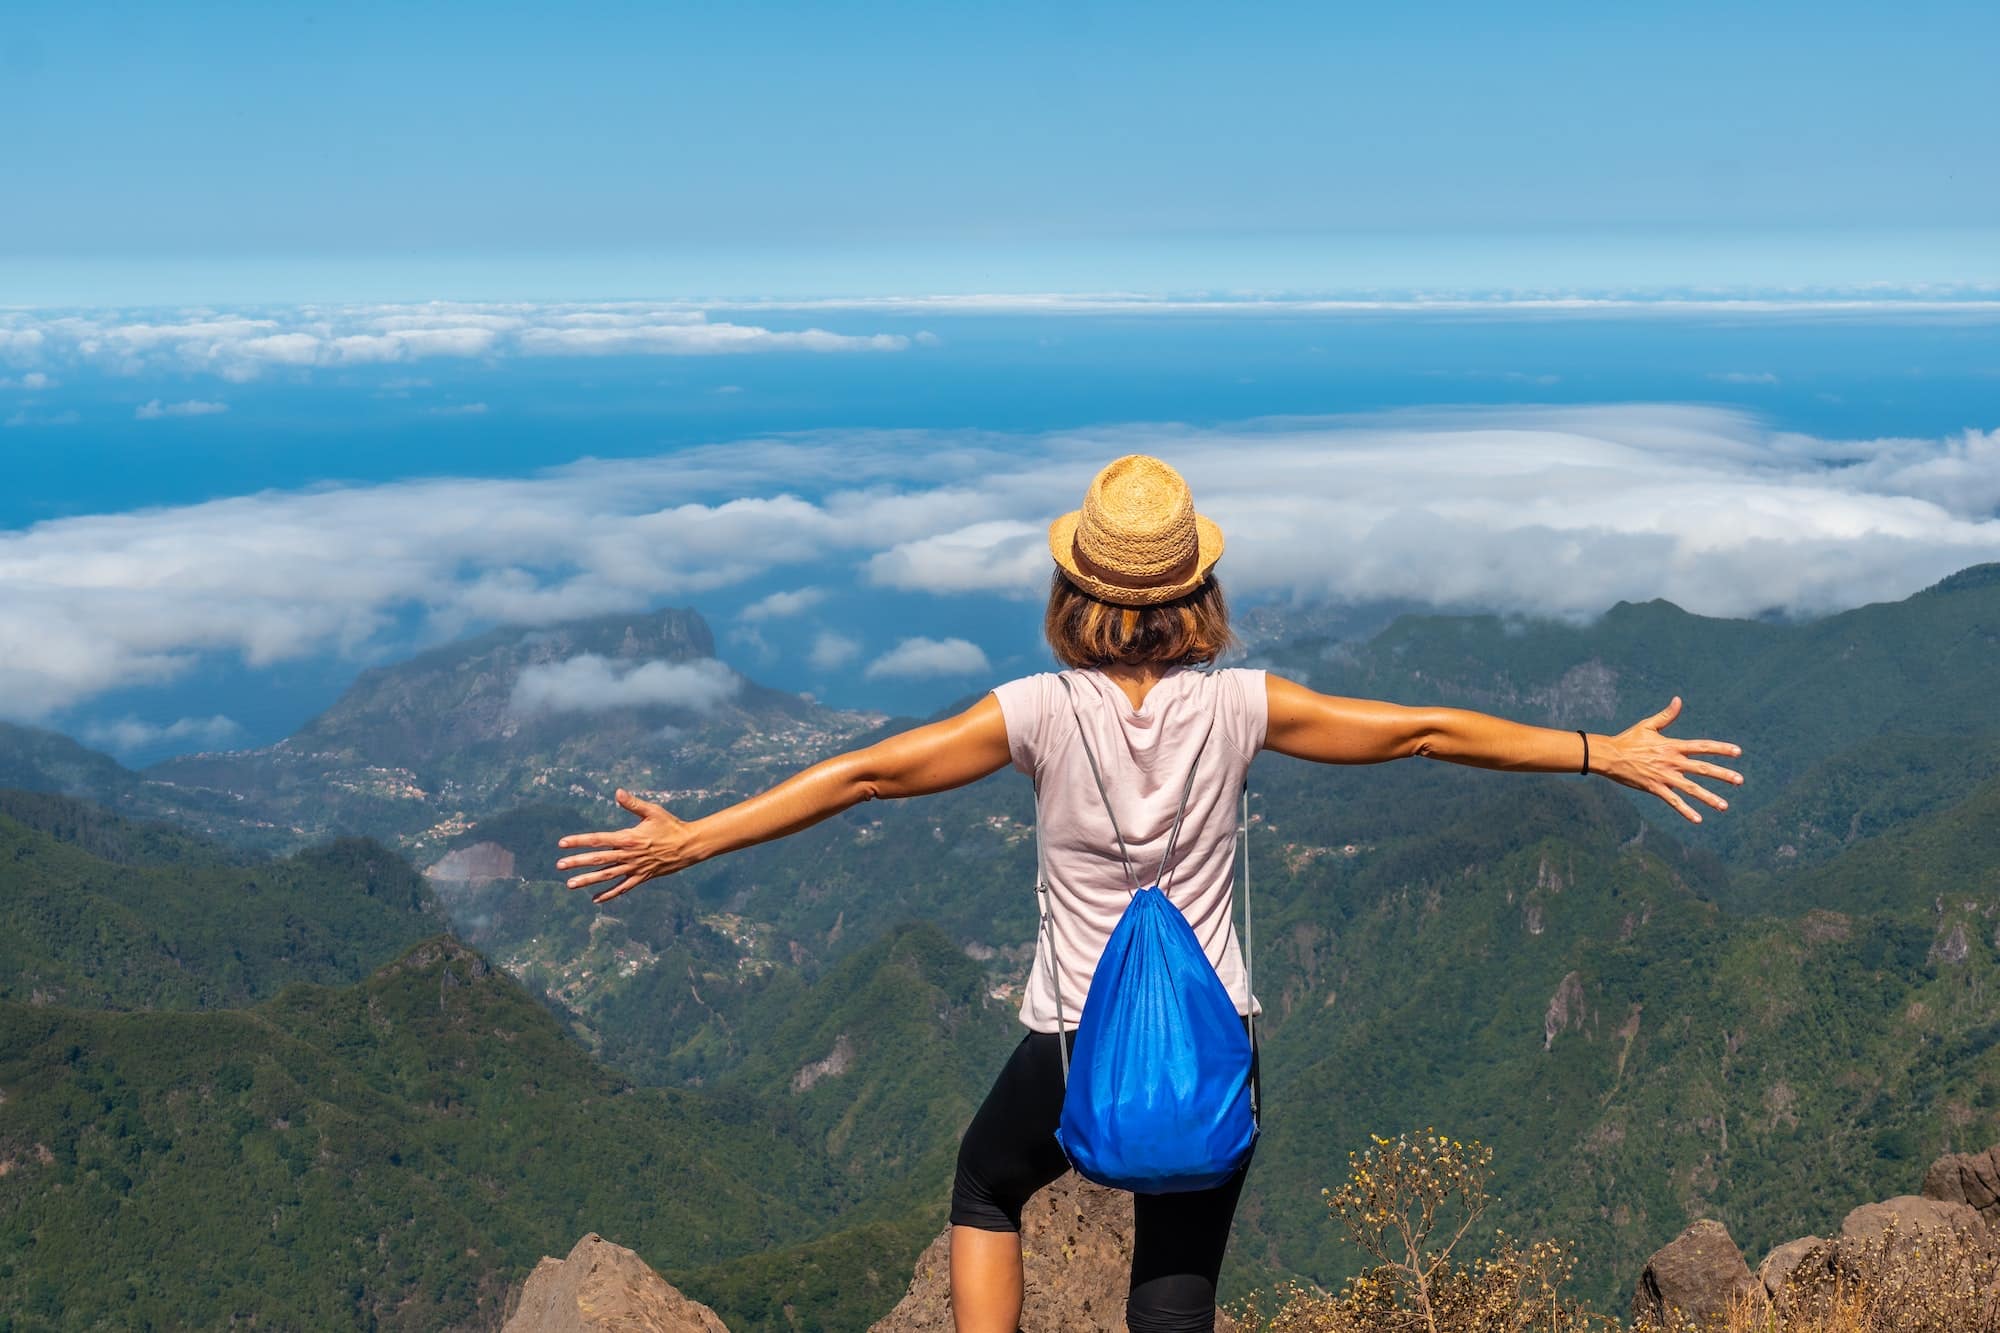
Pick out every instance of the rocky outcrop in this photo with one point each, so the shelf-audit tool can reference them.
(1895, 1230)
(1697, 1276)
(1968, 1178)
(1906, 1220)
(481, 863)
(832, 1065)
(1952, 948)
(1076, 1260)
(605, 1288)
(1701, 1271)
(1565, 1009)
(1786, 1260)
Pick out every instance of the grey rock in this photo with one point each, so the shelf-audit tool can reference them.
(1565, 1009)
(1696, 1276)
(1953, 948)
(1076, 1261)
(1794, 1257)
(605, 1288)
(481, 863)
(1968, 1178)
(1911, 1216)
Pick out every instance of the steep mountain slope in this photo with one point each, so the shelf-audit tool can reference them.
(101, 911)
(415, 751)
(392, 1155)
(34, 759)
(394, 1109)
(1793, 695)
(1559, 987)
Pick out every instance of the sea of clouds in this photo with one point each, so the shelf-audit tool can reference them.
(1541, 511)
(240, 344)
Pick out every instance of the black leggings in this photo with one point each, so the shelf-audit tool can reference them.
(1010, 1151)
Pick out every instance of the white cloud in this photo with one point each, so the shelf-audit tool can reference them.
(242, 345)
(590, 683)
(458, 410)
(781, 604)
(194, 407)
(23, 417)
(979, 557)
(1974, 304)
(32, 382)
(697, 339)
(130, 733)
(1744, 377)
(1547, 511)
(921, 657)
(832, 650)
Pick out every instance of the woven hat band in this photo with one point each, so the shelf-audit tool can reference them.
(1129, 567)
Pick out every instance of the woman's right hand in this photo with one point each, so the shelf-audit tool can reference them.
(1643, 759)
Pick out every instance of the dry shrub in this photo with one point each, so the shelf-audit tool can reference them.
(1408, 1203)
(1933, 1282)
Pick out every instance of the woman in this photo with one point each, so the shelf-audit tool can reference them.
(1133, 607)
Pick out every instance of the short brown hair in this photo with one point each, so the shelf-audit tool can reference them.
(1085, 632)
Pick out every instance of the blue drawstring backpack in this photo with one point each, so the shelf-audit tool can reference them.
(1160, 1100)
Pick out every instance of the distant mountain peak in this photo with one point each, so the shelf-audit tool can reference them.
(1965, 580)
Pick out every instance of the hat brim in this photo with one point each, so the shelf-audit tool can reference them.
(1062, 545)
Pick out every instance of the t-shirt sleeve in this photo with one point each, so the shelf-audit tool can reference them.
(1246, 712)
(1024, 703)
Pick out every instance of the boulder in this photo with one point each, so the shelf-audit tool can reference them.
(1911, 1217)
(1799, 1257)
(1076, 1261)
(1699, 1275)
(605, 1288)
(1972, 1179)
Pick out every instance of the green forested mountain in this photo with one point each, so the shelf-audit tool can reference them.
(392, 1154)
(1795, 696)
(412, 752)
(397, 1153)
(1765, 1018)
(101, 911)
(1636, 1055)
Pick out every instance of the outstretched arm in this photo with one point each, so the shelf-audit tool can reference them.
(1334, 730)
(935, 757)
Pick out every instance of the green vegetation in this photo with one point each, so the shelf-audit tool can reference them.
(101, 911)
(392, 1154)
(1762, 1019)
(398, 1153)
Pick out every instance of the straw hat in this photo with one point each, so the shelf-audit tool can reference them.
(1137, 540)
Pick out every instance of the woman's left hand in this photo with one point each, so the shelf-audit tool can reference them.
(657, 845)
(1645, 760)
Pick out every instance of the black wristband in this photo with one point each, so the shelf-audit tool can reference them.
(1586, 752)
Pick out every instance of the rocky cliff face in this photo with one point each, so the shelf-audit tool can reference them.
(1076, 1257)
(1968, 1178)
(1076, 1253)
(604, 1288)
(1701, 1275)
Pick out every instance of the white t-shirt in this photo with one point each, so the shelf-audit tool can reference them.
(1144, 755)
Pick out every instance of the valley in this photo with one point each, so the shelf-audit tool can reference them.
(1757, 1019)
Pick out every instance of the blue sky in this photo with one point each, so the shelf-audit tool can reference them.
(245, 152)
(329, 332)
